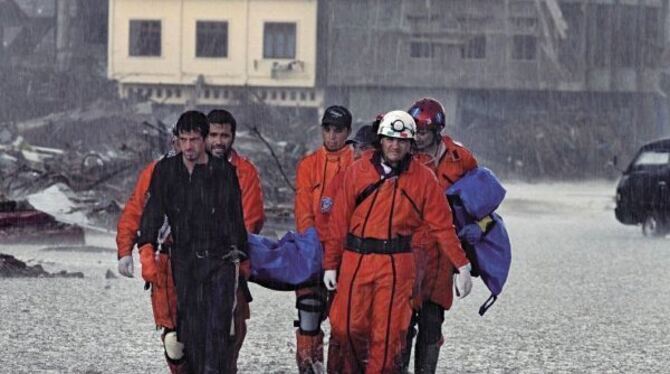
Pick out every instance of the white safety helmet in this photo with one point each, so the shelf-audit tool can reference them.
(397, 124)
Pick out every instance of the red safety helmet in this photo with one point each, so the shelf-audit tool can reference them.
(428, 114)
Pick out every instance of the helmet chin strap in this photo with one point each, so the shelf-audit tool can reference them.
(437, 137)
(434, 144)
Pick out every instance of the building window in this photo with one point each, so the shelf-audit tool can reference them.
(626, 37)
(474, 48)
(570, 50)
(524, 47)
(421, 50)
(603, 25)
(279, 40)
(145, 38)
(652, 45)
(211, 39)
(524, 24)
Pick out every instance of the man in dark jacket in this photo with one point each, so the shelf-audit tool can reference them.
(199, 196)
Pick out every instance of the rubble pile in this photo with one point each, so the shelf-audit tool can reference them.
(20, 222)
(95, 154)
(11, 267)
(577, 146)
(277, 181)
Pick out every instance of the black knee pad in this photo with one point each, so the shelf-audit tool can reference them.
(311, 309)
(430, 321)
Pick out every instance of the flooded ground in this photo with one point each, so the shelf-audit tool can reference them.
(586, 294)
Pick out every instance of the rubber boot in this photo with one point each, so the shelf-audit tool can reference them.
(309, 353)
(407, 349)
(177, 367)
(335, 359)
(425, 359)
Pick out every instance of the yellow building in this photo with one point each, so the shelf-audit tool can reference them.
(205, 52)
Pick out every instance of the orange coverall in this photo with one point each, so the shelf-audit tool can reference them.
(371, 310)
(313, 176)
(434, 271)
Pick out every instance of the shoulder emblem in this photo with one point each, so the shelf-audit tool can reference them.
(326, 205)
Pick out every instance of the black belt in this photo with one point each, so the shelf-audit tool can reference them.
(164, 248)
(231, 255)
(401, 244)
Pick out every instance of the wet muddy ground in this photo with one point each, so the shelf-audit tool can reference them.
(586, 294)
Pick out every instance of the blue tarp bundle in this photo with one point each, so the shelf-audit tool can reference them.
(480, 191)
(287, 264)
(476, 195)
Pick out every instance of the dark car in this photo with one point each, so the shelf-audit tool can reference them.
(642, 195)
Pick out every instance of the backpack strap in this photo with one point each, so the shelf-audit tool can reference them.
(487, 304)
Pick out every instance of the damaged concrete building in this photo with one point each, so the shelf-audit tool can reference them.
(52, 55)
(39, 32)
(495, 63)
(498, 62)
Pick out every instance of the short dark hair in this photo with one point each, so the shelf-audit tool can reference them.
(192, 120)
(222, 116)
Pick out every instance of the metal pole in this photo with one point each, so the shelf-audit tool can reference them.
(62, 34)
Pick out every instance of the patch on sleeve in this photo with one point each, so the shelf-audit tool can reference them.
(326, 205)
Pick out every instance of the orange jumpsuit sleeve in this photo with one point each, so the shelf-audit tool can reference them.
(469, 161)
(129, 221)
(343, 208)
(252, 197)
(303, 210)
(437, 215)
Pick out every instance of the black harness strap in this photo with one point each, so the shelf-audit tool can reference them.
(371, 188)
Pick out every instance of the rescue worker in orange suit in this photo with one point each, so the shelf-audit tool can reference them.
(163, 293)
(363, 142)
(385, 198)
(313, 175)
(449, 161)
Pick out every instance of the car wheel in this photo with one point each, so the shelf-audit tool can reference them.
(653, 226)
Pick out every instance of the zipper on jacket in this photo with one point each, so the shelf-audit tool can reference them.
(416, 209)
(395, 188)
(323, 180)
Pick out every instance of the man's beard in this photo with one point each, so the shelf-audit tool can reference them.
(220, 152)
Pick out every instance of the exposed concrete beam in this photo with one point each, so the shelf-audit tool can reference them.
(557, 17)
